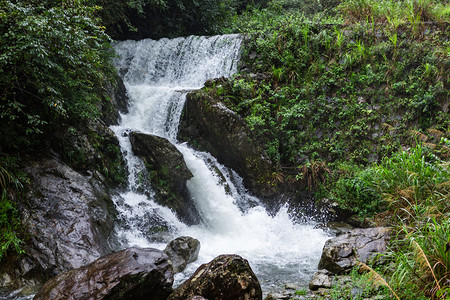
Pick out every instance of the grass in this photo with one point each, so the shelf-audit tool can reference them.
(354, 102)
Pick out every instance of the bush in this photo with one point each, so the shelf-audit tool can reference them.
(11, 184)
(54, 59)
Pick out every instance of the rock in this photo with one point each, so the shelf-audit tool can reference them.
(182, 251)
(67, 218)
(278, 296)
(171, 176)
(342, 253)
(196, 298)
(291, 286)
(210, 126)
(320, 280)
(335, 228)
(92, 146)
(132, 273)
(118, 102)
(227, 277)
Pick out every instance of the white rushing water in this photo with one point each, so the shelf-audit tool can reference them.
(157, 75)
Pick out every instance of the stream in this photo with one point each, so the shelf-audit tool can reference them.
(158, 75)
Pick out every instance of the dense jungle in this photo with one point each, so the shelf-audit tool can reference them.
(348, 100)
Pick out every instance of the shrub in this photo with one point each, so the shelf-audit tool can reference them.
(11, 184)
(54, 59)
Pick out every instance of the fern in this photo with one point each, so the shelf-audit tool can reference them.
(418, 135)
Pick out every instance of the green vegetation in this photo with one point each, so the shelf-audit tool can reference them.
(11, 183)
(412, 190)
(333, 93)
(353, 101)
(349, 97)
(138, 19)
(55, 60)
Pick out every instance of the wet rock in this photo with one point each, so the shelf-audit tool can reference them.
(208, 125)
(196, 298)
(227, 277)
(320, 280)
(278, 296)
(171, 176)
(342, 253)
(128, 274)
(335, 228)
(291, 286)
(332, 211)
(118, 102)
(67, 218)
(94, 147)
(182, 251)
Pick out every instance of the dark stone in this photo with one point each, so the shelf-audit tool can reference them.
(94, 147)
(117, 102)
(343, 252)
(208, 125)
(166, 160)
(182, 251)
(67, 218)
(227, 277)
(128, 274)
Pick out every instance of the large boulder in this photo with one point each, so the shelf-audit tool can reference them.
(128, 274)
(182, 251)
(67, 218)
(227, 277)
(208, 125)
(343, 252)
(168, 173)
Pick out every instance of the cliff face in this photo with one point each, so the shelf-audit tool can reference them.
(67, 213)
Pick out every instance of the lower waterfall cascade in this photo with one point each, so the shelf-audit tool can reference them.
(158, 75)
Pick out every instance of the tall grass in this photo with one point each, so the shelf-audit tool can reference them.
(412, 12)
(415, 188)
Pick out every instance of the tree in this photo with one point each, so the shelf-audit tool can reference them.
(54, 60)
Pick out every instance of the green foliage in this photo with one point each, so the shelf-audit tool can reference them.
(161, 18)
(11, 184)
(9, 227)
(357, 194)
(396, 12)
(414, 177)
(54, 59)
(421, 259)
(358, 287)
(334, 93)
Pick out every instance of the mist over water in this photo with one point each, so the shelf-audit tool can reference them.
(157, 75)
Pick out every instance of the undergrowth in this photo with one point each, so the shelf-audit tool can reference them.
(319, 89)
(11, 184)
(354, 103)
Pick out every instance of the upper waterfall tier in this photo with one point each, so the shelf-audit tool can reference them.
(182, 62)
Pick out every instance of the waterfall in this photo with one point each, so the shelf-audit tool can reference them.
(158, 75)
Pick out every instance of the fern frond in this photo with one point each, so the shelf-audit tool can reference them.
(436, 133)
(388, 127)
(376, 278)
(430, 145)
(418, 135)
